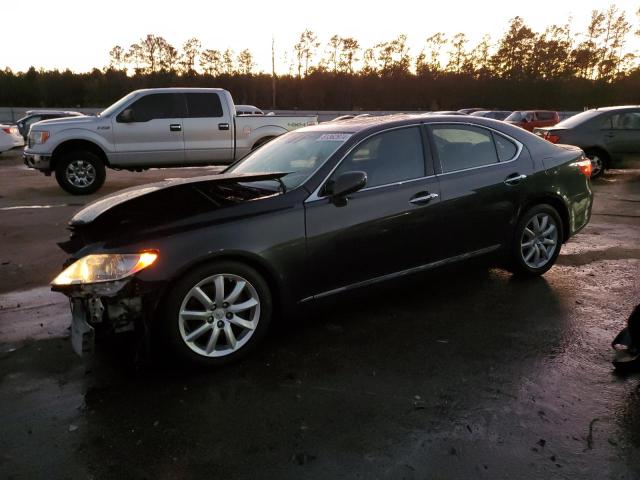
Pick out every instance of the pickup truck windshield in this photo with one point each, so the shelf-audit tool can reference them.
(116, 106)
(299, 153)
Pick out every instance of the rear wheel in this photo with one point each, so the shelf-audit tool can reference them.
(217, 313)
(80, 172)
(598, 162)
(537, 241)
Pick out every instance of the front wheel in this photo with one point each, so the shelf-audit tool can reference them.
(216, 314)
(80, 173)
(537, 241)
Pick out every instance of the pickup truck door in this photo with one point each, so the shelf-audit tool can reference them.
(208, 129)
(152, 134)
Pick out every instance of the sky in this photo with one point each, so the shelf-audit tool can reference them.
(78, 34)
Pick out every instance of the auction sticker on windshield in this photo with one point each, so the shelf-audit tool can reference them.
(333, 137)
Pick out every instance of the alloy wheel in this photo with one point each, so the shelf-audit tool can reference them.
(219, 315)
(596, 165)
(80, 173)
(539, 240)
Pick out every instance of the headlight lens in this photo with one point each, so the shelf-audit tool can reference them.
(104, 268)
(38, 136)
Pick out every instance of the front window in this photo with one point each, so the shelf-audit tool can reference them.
(388, 157)
(116, 106)
(297, 153)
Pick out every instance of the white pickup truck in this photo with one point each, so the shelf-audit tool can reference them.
(159, 127)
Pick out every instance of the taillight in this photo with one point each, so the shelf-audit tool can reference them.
(585, 167)
(551, 137)
(7, 130)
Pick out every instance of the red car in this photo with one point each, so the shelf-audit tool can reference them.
(530, 119)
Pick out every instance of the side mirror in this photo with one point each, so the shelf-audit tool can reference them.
(346, 183)
(126, 116)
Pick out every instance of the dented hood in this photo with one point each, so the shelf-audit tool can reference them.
(157, 195)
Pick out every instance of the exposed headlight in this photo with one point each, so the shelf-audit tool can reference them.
(104, 268)
(38, 136)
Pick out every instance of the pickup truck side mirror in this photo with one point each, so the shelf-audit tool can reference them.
(126, 116)
(344, 184)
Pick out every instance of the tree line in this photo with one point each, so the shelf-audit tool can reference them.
(559, 67)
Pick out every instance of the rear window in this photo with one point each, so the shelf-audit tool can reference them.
(546, 115)
(579, 119)
(461, 147)
(204, 105)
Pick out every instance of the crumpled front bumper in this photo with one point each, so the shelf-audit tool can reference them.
(109, 307)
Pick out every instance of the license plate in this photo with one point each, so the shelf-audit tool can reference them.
(82, 334)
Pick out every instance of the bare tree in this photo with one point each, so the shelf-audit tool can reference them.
(245, 62)
(117, 58)
(348, 55)
(211, 62)
(190, 51)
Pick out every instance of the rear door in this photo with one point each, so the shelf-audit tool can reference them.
(622, 134)
(154, 137)
(389, 226)
(208, 131)
(484, 178)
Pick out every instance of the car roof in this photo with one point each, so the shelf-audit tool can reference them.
(373, 124)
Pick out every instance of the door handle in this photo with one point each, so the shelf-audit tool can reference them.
(175, 127)
(223, 126)
(514, 180)
(609, 135)
(423, 197)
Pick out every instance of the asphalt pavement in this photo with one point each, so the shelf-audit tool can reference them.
(461, 373)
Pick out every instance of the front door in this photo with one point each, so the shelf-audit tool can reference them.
(388, 227)
(153, 135)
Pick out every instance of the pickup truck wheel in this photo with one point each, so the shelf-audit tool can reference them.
(80, 172)
(216, 314)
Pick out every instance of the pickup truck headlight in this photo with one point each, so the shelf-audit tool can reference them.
(104, 268)
(38, 137)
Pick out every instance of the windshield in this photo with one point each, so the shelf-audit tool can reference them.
(517, 117)
(297, 153)
(578, 119)
(116, 106)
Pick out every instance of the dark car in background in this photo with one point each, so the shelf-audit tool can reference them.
(33, 116)
(530, 119)
(201, 265)
(609, 136)
(495, 114)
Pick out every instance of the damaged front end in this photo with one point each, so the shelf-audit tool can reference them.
(105, 296)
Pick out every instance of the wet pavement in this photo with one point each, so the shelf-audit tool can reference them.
(462, 373)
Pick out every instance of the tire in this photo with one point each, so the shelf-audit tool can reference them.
(80, 172)
(210, 334)
(533, 232)
(599, 162)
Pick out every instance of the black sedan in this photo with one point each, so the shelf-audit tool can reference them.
(609, 136)
(202, 265)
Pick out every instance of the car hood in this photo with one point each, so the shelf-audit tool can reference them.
(132, 196)
(68, 121)
(168, 205)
